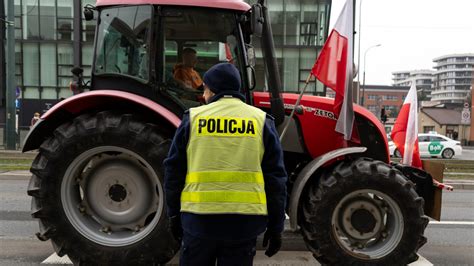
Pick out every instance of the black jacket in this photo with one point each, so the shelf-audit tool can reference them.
(228, 226)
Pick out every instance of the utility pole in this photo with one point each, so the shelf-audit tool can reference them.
(2, 56)
(10, 107)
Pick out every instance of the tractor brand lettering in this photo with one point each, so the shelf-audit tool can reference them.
(435, 148)
(324, 113)
(226, 126)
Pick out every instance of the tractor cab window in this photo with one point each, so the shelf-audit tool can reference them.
(123, 36)
(193, 41)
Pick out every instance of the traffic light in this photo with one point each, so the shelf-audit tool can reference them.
(383, 116)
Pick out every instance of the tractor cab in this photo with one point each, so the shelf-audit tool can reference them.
(161, 52)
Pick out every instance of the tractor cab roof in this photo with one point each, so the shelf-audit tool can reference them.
(224, 4)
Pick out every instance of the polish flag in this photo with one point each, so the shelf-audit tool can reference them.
(334, 68)
(405, 130)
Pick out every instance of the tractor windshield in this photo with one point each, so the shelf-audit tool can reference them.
(167, 49)
(123, 37)
(193, 40)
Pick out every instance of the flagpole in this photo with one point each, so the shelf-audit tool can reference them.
(296, 104)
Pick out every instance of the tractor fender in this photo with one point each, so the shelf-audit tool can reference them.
(306, 174)
(92, 100)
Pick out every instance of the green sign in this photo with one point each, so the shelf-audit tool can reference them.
(435, 147)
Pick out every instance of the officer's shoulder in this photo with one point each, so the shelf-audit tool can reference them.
(196, 109)
(268, 116)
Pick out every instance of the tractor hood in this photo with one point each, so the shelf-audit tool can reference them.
(317, 122)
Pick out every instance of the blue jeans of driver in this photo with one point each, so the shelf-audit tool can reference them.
(203, 252)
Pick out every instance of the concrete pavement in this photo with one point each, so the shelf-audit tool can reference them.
(450, 242)
(282, 258)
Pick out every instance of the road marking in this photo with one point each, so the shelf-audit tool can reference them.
(17, 173)
(55, 259)
(452, 222)
(421, 262)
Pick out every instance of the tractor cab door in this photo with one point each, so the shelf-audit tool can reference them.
(191, 41)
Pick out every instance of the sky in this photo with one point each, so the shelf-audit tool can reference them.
(411, 33)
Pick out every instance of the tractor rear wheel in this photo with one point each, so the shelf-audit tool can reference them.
(97, 190)
(363, 212)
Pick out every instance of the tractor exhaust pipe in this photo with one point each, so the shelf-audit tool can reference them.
(271, 67)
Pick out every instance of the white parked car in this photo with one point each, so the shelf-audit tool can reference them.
(432, 145)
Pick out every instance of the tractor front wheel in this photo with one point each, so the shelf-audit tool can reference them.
(363, 212)
(97, 190)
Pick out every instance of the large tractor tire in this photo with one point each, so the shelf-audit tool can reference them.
(97, 190)
(363, 212)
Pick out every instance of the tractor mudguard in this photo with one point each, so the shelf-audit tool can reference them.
(423, 181)
(88, 101)
(305, 175)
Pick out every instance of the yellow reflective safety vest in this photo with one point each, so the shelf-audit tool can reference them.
(224, 154)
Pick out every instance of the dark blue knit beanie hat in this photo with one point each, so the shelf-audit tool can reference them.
(223, 77)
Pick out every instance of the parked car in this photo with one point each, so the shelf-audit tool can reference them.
(432, 145)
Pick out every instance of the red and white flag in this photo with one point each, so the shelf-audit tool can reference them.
(405, 130)
(334, 68)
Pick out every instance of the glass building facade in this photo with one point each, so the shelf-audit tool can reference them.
(299, 31)
(51, 38)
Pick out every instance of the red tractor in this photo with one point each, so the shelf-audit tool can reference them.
(97, 183)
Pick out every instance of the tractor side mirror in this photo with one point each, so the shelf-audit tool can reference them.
(252, 78)
(89, 12)
(76, 85)
(251, 59)
(77, 71)
(257, 20)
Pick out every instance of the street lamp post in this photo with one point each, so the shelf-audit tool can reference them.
(363, 79)
(10, 109)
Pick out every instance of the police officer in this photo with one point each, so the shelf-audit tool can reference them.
(225, 181)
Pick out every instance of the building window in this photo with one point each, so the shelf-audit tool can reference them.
(372, 97)
(47, 20)
(390, 97)
(48, 64)
(30, 64)
(309, 33)
(30, 19)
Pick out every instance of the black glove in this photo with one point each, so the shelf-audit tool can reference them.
(275, 243)
(175, 227)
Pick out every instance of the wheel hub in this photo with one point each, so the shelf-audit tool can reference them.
(363, 221)
(362, 218)
(367, 223)
(117, 193)
(112, 196)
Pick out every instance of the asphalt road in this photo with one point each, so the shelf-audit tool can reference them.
(449, 243)
(467, 154)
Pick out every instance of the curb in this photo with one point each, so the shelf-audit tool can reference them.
(462, 186)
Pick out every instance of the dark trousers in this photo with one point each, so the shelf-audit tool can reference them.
(204, 252)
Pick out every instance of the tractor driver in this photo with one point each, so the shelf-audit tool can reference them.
(184, 73)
